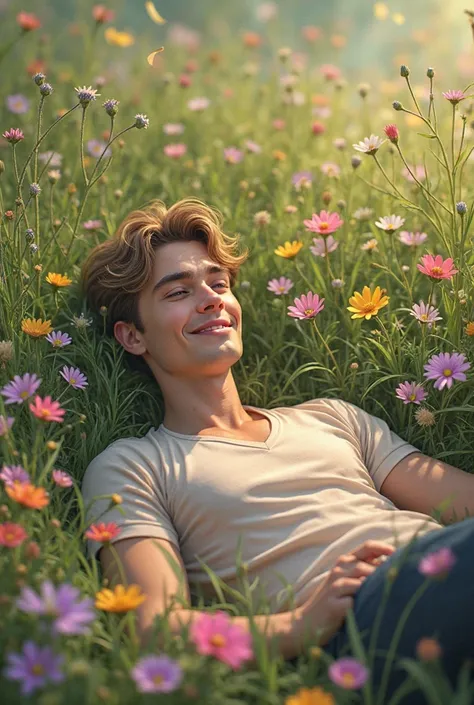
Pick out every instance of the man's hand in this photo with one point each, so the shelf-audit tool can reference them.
(327, 608)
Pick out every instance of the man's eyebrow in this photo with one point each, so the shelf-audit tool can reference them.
(187, 274)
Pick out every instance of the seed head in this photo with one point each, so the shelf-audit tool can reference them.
(356, 161)
(6, 351)
(29, 235)
(424, 417)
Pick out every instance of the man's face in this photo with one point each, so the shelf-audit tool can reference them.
(172, 310)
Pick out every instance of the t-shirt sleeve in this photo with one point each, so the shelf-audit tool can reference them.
(122, 469)
(380, 447)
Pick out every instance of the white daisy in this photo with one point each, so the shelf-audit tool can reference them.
(370, 145)
(390, 222)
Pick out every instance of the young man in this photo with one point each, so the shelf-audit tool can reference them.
(318, 493)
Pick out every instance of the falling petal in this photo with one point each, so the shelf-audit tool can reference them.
(153, 13)
(151, 57)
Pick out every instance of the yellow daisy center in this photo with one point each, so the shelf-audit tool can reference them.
(424, 317)
(45, 413)
(369, 307)
(158, 679)
(437, 270)
(389, 227)
(24, 394)
(323, 225)
(9, 536)
(447, 372)
(281, 288)
(412, 397)
(308, 311)
(73, 381)
(218, 640)
(57, 343)
(37, 669)
(348, 679)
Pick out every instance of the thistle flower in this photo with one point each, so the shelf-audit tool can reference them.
(81, 322)
(58, 280)
(289, 249)
(392, 133)
(424, 417)
(102, 14)
(27, 21)
(262, 218)
(13, 135)
(141, 121)
(61, 478)
(437, 564)
(370, 145)
(35, 190)
(232, 155)
(36, 327)
(455, 97)
(324, 223)
(411, 393)
(175, 151)
(111, 107)
(425, 314)
(436, 268)
(307, 306)
(366, 305)
(6, 351)
(446, 367)
(86, 95)
(280, 286)
(74, 377)
(92, 225)
(58, 339)
(390, 222)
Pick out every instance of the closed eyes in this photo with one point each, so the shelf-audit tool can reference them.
(183, 291)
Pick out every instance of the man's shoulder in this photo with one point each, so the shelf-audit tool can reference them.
(323, 405)
(125, 454)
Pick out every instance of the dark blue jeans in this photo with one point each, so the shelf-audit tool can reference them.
(445, 610)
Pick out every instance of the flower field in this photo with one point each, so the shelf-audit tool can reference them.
(355, 201)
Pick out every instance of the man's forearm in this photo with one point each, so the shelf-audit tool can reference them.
(284, 627)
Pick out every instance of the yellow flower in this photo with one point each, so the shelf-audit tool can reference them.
(366, 305)
(470, 328)
(118, 39)
(279, 155)
(116, 499)
(36, 327)
(381, 11)
(289, 249)
(58, 280)
(398, 18)
(311, 696)
(120, 599)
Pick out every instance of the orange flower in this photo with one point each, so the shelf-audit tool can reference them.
(428, 649)
(470, 328)
(28, 495)
(320, 99)
(102, 532)
(36, 327)
(58, 280)
(310, 696)
(12, 535)
(252, 40)
(279, 155)
(120, 599)
(367, 304)
(338, 41)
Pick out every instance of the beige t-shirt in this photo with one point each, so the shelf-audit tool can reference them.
(306, 495)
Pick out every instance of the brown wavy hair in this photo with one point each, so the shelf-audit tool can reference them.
(117, 270)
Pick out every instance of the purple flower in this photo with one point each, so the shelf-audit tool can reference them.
(446, 367)
(17, 104)
(14, 473)
(58, 339)
(61, 478)
(34, 667)
(232, 155)
(96, 147)
(437, 564)
(5, 424)
(410, 393)
(86, 94)
(324, 245)
(35, 189)
(70, 615)
(157, 674)
(348, 673)
(20, 389)
(111, 107)
(53, 159)
(74, 377)
(92, 225)
(280, 286)
(425, 314)
(301, 179)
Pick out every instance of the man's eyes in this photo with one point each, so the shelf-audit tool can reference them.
(183, 291)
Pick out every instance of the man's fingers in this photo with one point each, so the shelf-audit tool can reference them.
(373, 549)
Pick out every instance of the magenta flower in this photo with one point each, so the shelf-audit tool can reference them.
(215, 635)
(348, 673)
(324, 223)
(20, 388)
(437, 564)
(280, 286)
(410, 393)
(96, 147)
(308, 306)
(14, 473)
(454, 97)
(412, 239)
(175, 151)
(437, 268)
(156, 674)
(232, 155)
(425, 314)
(34, 667)
(58, 339)
(324, 245)
(74, 377)
(330, 72)
(92, 225)
(302, 179)
(13, 135)
(17, 104)
(61, 478)
(5, 424)
(446, 367)
(70, 616)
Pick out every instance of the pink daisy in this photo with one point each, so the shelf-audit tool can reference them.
(215, 635)
(454, 97)
(175, 151)
(47, 410)
(410, 393)
(324, 223)
(307, 306)
(324, 245)
(61, 478)
(412, 239)
(280, 286)
(437, 268)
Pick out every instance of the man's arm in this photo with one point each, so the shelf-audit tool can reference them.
(422, 484)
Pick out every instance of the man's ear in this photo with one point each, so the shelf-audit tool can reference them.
(129, 338)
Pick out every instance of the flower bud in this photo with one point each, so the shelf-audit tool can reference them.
(38, 78)
(404, 71)
(326, 197)
(461, 207)
(356, 161)
(430, 73)
(397, 105)
(392, 133)
(46, 89)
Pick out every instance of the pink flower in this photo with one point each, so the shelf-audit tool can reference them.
(232, 155)
(412, 239)
(418, 171)
(348, 673)
(215, 635)
(410, 393)
(308, 306)
(323, 246)
(324, 223)
(175, 151)
(5, 424)
(437, 268)
(437, 564)
(61, 478)
(392, 133)
(253, 147)
(330, 169)
(13, 135)
(454, 97)
(318, 128)
(185, 80)
(47, 410)
(199, 104)
(173, 128)
(280, 286)
(330, 72)
(279, 124)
